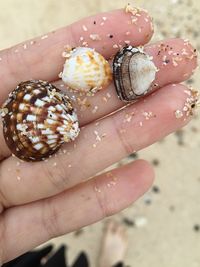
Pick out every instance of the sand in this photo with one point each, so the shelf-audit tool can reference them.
(161, 224)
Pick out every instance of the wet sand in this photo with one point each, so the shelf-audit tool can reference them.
(163, 225)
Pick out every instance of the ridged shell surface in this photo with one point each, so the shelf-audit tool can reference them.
(37, 118)
(86, 70)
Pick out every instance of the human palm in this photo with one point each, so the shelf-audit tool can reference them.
(42, 200)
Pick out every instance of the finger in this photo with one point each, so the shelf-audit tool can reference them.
(106, 101)
(89, 202)
(99, 145)
(175, 59)
(41, 58)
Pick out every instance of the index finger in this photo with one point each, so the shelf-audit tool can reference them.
(41, 58)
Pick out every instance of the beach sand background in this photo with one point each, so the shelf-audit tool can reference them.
(161, 225)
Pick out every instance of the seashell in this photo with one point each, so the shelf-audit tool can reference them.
(133, 72)
(85, 70)
(37, 118)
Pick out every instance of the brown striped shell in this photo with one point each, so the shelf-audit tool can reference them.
(37, 118)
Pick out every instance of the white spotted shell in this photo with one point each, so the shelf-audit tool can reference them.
(85, 70)
(37, 118)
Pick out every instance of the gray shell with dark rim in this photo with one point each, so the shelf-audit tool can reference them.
(133, 72)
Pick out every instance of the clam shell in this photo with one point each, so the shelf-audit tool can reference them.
(37, 118)
(87, 71)
(133, 72)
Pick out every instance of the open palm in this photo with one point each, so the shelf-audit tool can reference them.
(42, 200)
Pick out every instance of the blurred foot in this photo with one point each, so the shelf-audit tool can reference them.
(114, 245)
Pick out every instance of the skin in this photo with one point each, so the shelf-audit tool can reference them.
(57, 191)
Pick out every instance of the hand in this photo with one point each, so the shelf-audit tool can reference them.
(42, 200)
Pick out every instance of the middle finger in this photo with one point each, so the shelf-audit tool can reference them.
(99, 145)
